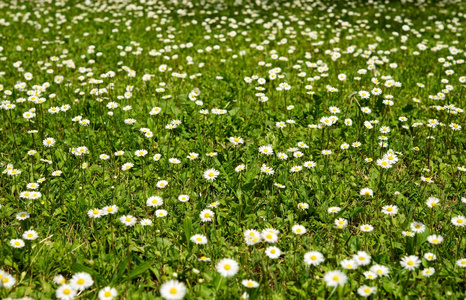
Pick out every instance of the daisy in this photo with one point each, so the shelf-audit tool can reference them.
(362, 258)
(282, 156)
(112, 209)
(365, 291)
(333, 210)
(267, 170)
(380, 270)
(199, 239)
(173, 290)
(32, 186)
(459, 221)
(30, 235)
(227, 267)
(303, 206)
(410, 262)
(408, 233)
(366, 192)
(127, 166)
(435, 239)
(269, 237)
(314, 258)
(65, 292)
(326, 152)
(430, 256)
(432, 202)
(341, 223)
(59, 279)
(95, 213)
(145, 222)
(428, 272)
(211, 174)
(273, 252)
(296, 169)
(252, 233)
(250, 283)
(162, 184)
(366, 228)
(22, 215)
(140, 153)
(183, 198)
(390, 210)
(203, 258)
(48, 142)
(298, 229)
(267, 150)
(250, 241)
(17, 243)
(108, 293)
(461, 262)
(160, 213)
(236, 140)
(128, 220)
(206, 215)
(335, 278)
(154, 201)
(240, 168)
(349, 264)
(418, 227)
(370, 275)
(81, 281)
(213, 204)
(309, 164)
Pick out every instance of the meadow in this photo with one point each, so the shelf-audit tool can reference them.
(239, 149)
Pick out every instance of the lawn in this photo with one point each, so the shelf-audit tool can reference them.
(232, 149)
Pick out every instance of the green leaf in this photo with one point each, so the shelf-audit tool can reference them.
(140, 269)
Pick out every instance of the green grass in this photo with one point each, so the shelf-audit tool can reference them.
(311, 44)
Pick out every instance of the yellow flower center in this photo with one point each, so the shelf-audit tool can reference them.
(211, 174)
(80, 281)
(313, 257)
(173, 291)
(250, 283)
(335, 278)
(207, 215)
(66, 291)
(410, 263)
(30, 235)
(227, 267)
(128, 219)
(273, 251)
(107, 294)
(367, 290)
